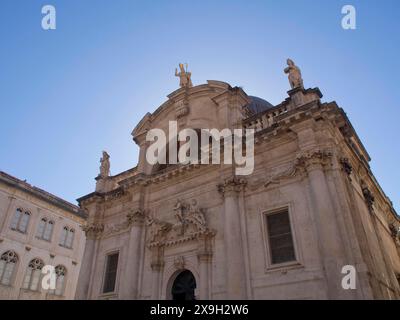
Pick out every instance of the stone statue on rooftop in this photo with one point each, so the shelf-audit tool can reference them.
(295, 79)
(105, 165)
(184, 76)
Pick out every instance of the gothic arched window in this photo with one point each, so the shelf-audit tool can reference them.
(20, 220)
(33, 275)
(67, 237)
(45, 229)
(61, 273)
(8, 261)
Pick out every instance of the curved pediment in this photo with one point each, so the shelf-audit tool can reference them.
(194, 107)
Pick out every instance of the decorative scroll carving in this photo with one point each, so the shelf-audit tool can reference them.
(93, 230)
(190, 224)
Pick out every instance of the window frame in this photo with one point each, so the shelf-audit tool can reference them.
(18, 224)
(14, 270)
(47, 223)
(107, 254)
(62, 290)
(297, 262)
(65, 234)
(38, 285)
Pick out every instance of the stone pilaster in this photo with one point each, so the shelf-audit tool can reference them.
(131, 271)
(157, 267)
(331, 247)
(92, 231)
(204, 256)
(235, 265)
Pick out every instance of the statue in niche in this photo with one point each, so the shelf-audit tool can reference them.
(105, 165)
(184, 76)
(295, 79)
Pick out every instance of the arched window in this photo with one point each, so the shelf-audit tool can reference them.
(67, 237)
(45, 229)
(20, 220)
(61, 273)
(33, 275)
(8, 261)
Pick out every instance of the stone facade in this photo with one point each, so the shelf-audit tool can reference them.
(27, 241)
(309, 162)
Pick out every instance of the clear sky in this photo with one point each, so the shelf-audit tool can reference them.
(69, 93)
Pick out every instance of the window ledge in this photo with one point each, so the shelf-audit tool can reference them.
(285, 266)
(65, 247)
(108, 295)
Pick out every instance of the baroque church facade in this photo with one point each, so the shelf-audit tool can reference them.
(310, 209)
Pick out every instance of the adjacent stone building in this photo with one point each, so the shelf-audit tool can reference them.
(310, 208)
(37, 229)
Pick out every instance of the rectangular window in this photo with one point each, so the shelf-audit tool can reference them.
(280, 238)
(111, 273)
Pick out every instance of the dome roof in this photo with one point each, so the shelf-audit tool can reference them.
(257, 105)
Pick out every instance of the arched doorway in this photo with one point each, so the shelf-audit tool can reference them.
(184, 286)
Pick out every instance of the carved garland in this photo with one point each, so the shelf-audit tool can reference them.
(98, 230)
(302, 162)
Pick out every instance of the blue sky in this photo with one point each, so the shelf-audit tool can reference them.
(69, 93)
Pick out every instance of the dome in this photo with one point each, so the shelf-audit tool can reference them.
(257, 105)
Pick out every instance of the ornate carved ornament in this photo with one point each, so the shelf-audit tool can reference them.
(298, 167)
(179, 262)
(98, 230)
(232, 185)
(93, 230)
(182, 108)
(190, 225)
(368, 197)
(394, 228)
(346, 166)
(136, 217)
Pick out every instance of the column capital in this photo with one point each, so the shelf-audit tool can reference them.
(136, 217)
(314, 159)
(232, 186)
(93, 230)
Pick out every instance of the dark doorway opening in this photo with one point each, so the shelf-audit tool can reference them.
(184, 286)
